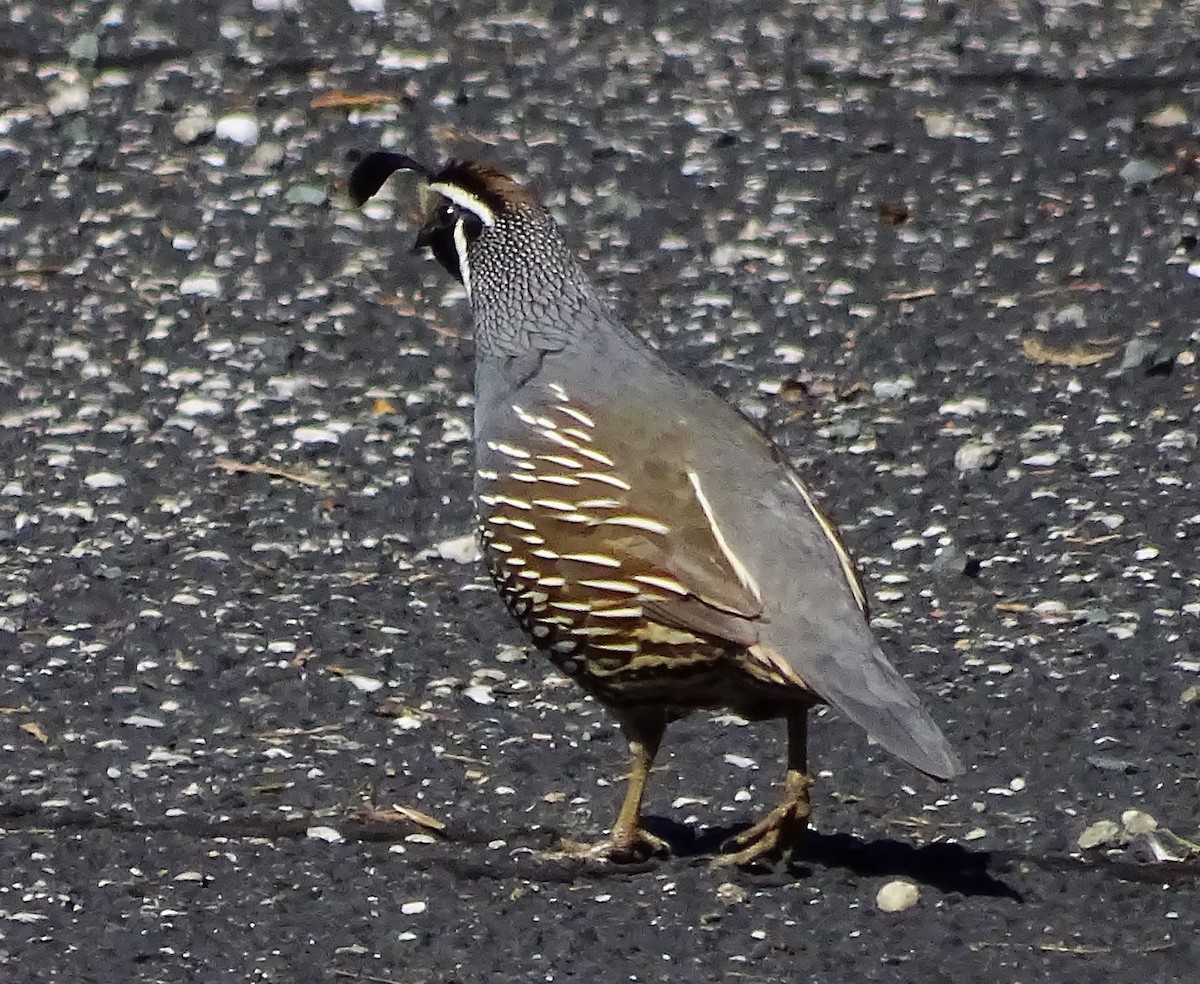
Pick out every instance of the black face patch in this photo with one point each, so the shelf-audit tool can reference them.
(437, 234)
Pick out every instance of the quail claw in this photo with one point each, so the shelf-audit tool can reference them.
(626, 847)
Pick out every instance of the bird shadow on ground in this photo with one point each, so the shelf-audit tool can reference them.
(947, 867)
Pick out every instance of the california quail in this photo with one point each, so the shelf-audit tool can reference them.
(643, 533)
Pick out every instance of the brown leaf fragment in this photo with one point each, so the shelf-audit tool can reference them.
(38, 732)
(1036, 350)
(341, 99)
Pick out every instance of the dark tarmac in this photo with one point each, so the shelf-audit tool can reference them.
(258, 720)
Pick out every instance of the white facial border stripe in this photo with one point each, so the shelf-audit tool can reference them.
(464, 199)
(460, 247)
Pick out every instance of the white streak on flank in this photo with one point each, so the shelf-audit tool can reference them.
(532, 539)
(563, 460)
(509, 451)
(617, 647)
(557, 390)
(502, 547)
(552, 582)
(487, 474)
(599, 504)
(515, 561)
(631, 611)
(578, 415)
(577, 518)
(588, 631)
(524, 415)
(638, 523)
(546, 422)
(497, 520)
(545, 554)
(529, 574)
(521, 524)
(558, 479)
(559, 439)
(666, 583)
(464, 199)
(526, 465)
(504, 500)
(616, 483)
(556, 504)
(578, 434)
(597, 457)
(521, 476)
(601, 584)
(739, 568)
(571, 606)
(600, 560)
(464, 263)
(843, 557)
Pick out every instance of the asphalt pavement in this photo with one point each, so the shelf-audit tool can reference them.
(261, 717)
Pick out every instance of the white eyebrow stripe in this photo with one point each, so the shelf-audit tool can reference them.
(464, 199)
(743, 575)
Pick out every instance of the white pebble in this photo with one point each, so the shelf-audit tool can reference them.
(315, 435)
(104, 480)
(201, 285)
(238, 128)
(897, 896)
(479, 694)
(196, 406)
(413, 908)
(327, 834)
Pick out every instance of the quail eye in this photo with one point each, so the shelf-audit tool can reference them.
(472, 224)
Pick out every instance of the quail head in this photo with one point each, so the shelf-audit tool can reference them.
(651, 541)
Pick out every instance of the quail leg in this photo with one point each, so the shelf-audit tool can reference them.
(778, 831)
(627, 841)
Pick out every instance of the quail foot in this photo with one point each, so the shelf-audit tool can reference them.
(657, 547)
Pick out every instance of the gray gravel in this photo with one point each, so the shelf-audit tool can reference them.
(947, 254)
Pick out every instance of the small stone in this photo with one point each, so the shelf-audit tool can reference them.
(974, 834)
(412, 908)
(887, 389)
(975, 456)
(70, 98)
(85, 48)
(200, 285)
(266, 157)
(327, 834)
(1141, 172)
(303, 194)
(1168, 116)
(461, 550)
(239, 128)
(1138, 822)
(196, 125)
(970, 406)
(1190, 696)
(104, 480)
(1099, 834)
(479, 694)
(315, 435)
(1110, 763)
(897, 896)
(1047, 459)
(1141, 352)
(367, 685)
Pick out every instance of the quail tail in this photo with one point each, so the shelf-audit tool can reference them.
(869, 691)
